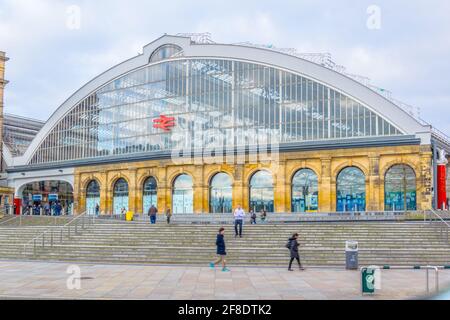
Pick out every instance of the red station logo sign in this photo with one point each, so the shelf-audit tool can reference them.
(164, 123)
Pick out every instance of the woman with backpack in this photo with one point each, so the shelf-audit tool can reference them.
(292, 245)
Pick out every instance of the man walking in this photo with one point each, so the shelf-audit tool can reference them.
(152, 213)
(239, 216)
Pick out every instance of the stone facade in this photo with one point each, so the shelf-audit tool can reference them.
(327, 164)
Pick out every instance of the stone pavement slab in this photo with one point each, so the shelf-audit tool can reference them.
(46, 280)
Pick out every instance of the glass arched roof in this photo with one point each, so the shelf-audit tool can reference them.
(214, 103)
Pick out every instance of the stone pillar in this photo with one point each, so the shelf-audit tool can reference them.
(199, 187)
(325, 196)
(239, 194)
(425, 181)
(164, 190)
(78, 196)
(374, 196)
(103, 192)
(280, 190)
(133, 192)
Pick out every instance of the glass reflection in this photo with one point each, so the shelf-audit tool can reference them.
(183, 195)
(261, 192)
(120, 200)
(305, 191)
(221, 194)
(150, 196)
(92, 197)
(351, 190)
(243, 103)
(400, 188)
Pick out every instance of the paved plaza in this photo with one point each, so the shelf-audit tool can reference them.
(43, 280)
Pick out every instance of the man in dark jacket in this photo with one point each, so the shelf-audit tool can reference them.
(293, 248)
(221, 252)
(152, 213)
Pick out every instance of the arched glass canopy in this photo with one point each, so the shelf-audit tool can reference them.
(242, 103)
(351, 190)
(305, 191)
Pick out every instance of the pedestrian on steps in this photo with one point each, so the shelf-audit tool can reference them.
(239, 216)
(252, 217)
(168, 215)
(152, 213)
(221, 252)
(292, 245)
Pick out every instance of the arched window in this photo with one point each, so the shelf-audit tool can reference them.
(150, 196)
(220, 194)
(183, 194)
(92, 197)
(120, 196)
(164, 52)
(261, 192)
(400, 188)
(351, 190)
(305, 191)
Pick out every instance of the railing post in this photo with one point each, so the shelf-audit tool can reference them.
(51, 239)
(43, 240)
(76, 227)
(437, 279)
(61, 236)
(34, 248)
(428, 280)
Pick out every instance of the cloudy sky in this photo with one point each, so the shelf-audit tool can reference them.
(52, 55)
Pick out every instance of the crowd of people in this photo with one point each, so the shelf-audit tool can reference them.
(48, 209)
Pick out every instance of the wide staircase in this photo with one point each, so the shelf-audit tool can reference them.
(321, 243)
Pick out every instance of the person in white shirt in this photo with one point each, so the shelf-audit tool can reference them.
(239, 216)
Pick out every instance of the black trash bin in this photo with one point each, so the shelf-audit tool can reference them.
(351, 255)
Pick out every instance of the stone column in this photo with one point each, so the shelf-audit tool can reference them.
(325, 193)
(199, 186)
(79, 196)
(374, 196)
(164, 190)
(278, 169)
(133, 192)
(239, 188)
(425, 181)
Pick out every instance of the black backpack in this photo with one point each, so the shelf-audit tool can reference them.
(288, 244)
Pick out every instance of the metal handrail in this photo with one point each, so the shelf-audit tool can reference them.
(9, 220)
(442, 223)
(59, 230)
(427, 268)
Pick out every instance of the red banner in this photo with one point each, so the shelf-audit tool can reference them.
(442, 186)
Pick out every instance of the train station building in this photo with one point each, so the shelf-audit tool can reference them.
(200, 127)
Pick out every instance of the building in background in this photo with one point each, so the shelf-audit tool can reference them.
(19, 132)
(200, 127)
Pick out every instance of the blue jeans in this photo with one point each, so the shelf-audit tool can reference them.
(153, 219)
(238, 225)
